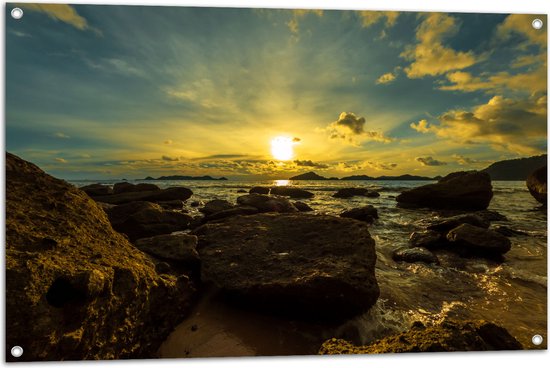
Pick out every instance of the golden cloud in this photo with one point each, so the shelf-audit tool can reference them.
(386, 78)
(369, 18)
(351, 128)
(61, 12)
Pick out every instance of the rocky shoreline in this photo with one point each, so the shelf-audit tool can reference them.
(108, 272)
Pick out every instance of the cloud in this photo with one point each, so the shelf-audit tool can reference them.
(429, 161)
(369, 18)
(522, 24)
(351, 128)
(60, 12)
(380, 165)
(168, 158)
(61, 160)
(296, 139)
(516, 125)
(61, 135)
(18, 33)
(429, 57)
(168, 141)
(464, 160)
(386, 78)
(294, 23)
(114, 65)
(309, 163)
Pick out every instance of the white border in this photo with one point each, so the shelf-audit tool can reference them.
(532, 358)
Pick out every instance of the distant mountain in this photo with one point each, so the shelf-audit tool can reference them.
(182, 177)
(517, 169)
(308, 176)
(357, 177)
(405, 177)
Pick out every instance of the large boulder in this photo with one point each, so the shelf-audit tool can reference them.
(536, 183)
(291, 192)
(445, 224)
(448, 335)
(351, 192)
(259, 190)
(266, 203)
(75, 288)
(125, 187)
(367, 213)
(97, 189)
(168, 194)
(146, 219)
(302, 265)
(181, 248)
(475, 240)
(216, 205)
(469, 190)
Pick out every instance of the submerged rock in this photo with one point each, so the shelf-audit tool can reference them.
(291, 192)
(177, 247)
(266, 203)
(75, 288)
(449, 335)
(367, 214)
(146, 219)
(427, 239)
(536, 183)
(297, 264)
(413, 255)
(470, 190)
(302, 207)
(168, 194)
(478, 241)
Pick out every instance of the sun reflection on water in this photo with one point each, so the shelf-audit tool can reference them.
(281, 183)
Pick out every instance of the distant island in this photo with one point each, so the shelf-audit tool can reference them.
(516, 169)
(183, 177)
(313, 176)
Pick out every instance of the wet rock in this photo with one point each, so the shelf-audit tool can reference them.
(351, 192)
(298, 264)
(302, 207)
(367, 214)
(125, 187)
(414, 255)
(97, 189)
(477, 241)
(266, 203)
(178, 247)
(216, 205)
(163, 267)
(196, 203)
(91, 296)
(536, 183)
(488, 216)
(449, 335)
(470, 190)
(259, 190)
(169, 194)
(291, 192)
(445, 224)
(176, 204)
(146, 219)
(241, 191)
(235, 211)
(427, 239)
(506, 231)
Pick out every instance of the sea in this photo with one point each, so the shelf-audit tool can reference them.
(511, 293)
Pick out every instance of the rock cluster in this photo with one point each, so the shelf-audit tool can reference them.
(536, 183)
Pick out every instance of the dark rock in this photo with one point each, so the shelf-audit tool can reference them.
(241, 191)
(145, 219)
(163, 267)
(126, 187)
(297, 264)
(350, 192)
(216, 205)
(477, 241)
(175, 204)
(196, 204)
(372, 194)
(97, 189)
(488, 215)
(367, 214)
(506, 231)
(445, 224)
(91, 296)
(291, 192)
(302, 207)
(413, 255)
(194, 328)
(259, 190)
(235, 211)
(308, 176)
(178, 247)
(168, 194)
(427, 239)
(449, 335)
(536, 183)
(470, 190)
(266, 203)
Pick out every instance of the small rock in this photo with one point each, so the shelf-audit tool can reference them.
(367, 214)
(291, 192)
(266, 203)
(426, 239)
(302, 207)
(241, 191)
(506, 231)
(445, 224)
(175, 204)
(216, 205)
(194, 328)
(259, 190)
(478, 241)
(413, 255)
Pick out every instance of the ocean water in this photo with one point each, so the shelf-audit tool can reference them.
(512, 293)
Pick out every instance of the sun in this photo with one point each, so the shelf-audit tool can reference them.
(282, 148)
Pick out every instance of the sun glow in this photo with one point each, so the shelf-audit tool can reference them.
(282, 148)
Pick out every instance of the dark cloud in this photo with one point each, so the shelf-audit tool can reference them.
(310, 163)
(464, 160)
(430, 161)
(351, 128)
(296, 139)
(168, 158)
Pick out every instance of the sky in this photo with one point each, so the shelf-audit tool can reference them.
(105, 92)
